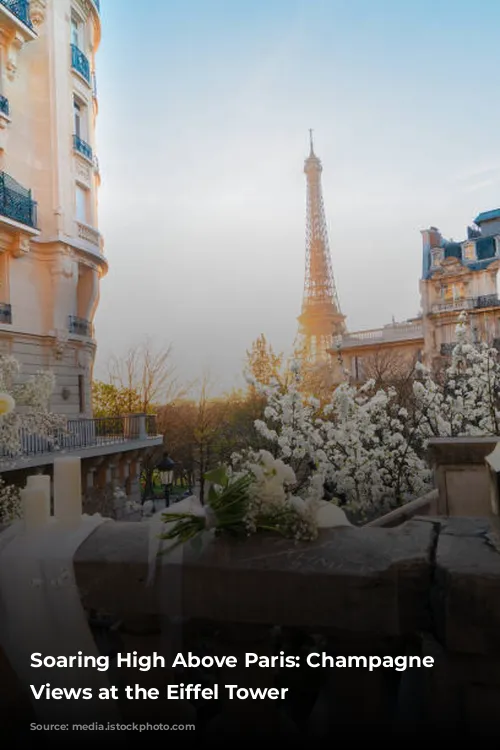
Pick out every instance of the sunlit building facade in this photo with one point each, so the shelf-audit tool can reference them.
(456, 277)
(51, 251)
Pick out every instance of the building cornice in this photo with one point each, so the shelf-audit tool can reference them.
(91, 255)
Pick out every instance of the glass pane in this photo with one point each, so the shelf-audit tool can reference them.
(81, 205)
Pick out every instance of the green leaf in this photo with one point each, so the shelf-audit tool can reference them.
(217, 476)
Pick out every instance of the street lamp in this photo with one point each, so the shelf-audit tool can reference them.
(166, 469)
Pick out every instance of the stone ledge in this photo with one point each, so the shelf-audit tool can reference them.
(460, 451)
(354, 579)
(466, 591)
(434, 574)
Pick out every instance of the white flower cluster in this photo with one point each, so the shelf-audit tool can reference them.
(10, 503)
(367, 447)
(467, 401)
(24, 408)
(272, 504)
(130, 506)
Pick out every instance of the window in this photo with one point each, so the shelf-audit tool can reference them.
(80, 119)
(82, 202)
(76, 32)
(81, 393)
(77, 110)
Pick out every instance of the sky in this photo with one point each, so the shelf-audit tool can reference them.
(202, 132)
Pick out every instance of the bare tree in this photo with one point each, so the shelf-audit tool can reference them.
(388, 365)
(147, 375)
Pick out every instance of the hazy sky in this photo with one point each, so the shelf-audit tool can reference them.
(204, 110)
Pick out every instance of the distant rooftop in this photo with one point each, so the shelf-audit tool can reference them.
(487, 216)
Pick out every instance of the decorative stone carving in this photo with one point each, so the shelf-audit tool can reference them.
(60, 344)
(83, 6)
(88, 264)
(18, 244)
(84, 359)
(68, 252)
(5, 241)
(21, 245)
(14, 49)
(83, 171)
(37, 12)
(89, 234)
(64, 266)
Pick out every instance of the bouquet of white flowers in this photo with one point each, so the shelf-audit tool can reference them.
(255, 497)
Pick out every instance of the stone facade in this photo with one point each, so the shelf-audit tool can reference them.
(456, 277)
(51, 252)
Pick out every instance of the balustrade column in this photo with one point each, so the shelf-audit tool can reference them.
(134, 427)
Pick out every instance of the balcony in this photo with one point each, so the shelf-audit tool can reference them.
(80, 326)
(89, 234)
(4, 106)
(16, 202)
(20, 9)
(5, 313)
(87, 438)
(410, 331)
(82, 147)
(467, 303)
(487, 300)
(80, 63)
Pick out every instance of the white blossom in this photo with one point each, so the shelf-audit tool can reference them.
(368, 447)
(10, 503)
(28, 408)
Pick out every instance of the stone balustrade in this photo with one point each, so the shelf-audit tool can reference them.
(428, 587)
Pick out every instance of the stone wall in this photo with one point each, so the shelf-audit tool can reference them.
(428, 587)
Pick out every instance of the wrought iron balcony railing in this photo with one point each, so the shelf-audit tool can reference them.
(80, 326)
(82, 147)
(16, 202)
(88, 433)
(5, 313)
(4, 105)
(80, 63)
(20, 9)
(487, 300)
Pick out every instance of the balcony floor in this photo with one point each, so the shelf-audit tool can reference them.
(106, 449)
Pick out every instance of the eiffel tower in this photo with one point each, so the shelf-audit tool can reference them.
(321, 322)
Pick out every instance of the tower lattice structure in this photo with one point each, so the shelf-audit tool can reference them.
(321, 321)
